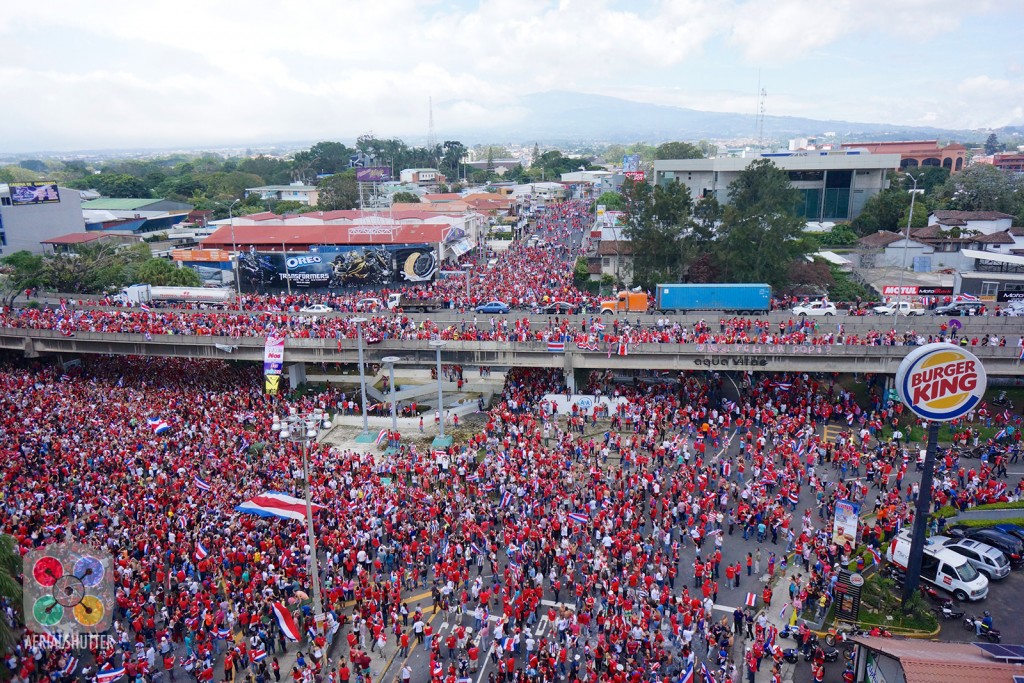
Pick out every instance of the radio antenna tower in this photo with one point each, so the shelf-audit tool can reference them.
(762, 94)
(431, 140)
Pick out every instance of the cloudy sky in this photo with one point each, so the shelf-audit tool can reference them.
(148, 73)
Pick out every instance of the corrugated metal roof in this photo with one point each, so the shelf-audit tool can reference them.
(925, 661)
(115, 204)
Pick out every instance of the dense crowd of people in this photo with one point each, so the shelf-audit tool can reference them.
(609, 523)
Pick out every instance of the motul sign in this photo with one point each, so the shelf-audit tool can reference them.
(941, 382)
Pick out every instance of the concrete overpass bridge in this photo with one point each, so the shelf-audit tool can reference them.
(999, 361)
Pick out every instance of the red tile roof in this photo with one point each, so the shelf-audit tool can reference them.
(971, 215)
(76, 238)
(274, 235)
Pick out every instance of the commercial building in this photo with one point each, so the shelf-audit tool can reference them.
(71, 243)
(834, 186)
(906, 660)
(135, 216)
(421, 176)
(917, 153)
(37, 211)
(296, 192)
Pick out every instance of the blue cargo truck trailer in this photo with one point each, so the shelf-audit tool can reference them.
(730, 298)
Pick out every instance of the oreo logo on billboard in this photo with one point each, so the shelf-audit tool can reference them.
(941, 382)
(300, 261)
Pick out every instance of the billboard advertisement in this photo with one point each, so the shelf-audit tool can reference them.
(631, 163)
(336, 267)
(373, 174)
(844, 530)
(39, 192)
(636, 176)
(914, 290)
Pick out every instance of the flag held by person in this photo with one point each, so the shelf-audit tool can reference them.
(876, 557)
(276, 504)
(201, 552)
(286, 622)
(687, 675)
(577, 517)
(158, 425)
(751, 600)
(705, 675)
(201, 483)
(382, 436)
(70, 666)
(109, 674)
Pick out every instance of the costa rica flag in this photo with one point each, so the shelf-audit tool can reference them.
(687, 676)
(286, 622)
(577, 517)
(751, 600)
(201, 552)
(258, 655)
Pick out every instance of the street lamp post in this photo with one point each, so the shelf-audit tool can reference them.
(468, 267)
(303, 430)
(439, 344)
(358, 322)
(287, 271)
(234, 249)
(390, 362)
(906, 240)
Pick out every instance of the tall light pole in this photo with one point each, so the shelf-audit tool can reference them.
(468, 267)
(365, 436)
(390, 362)
(439, 344)
(303, 430)
(287, 271)
(906, 240)
(234, 249)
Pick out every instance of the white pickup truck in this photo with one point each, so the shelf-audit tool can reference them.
(900, 308)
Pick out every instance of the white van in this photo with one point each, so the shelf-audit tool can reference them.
(941, 567)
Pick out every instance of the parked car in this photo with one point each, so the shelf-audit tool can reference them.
(900, 308)
(562, 307)
(1011, 530)
(317, 308)
(815, 308)
(988, 560)
(1009, 545)
(493, 307)
(370, 304)
(958, 308)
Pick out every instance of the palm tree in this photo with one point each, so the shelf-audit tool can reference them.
(10, 589)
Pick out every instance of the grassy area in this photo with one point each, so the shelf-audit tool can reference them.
(919, 433)
(982, 523)
(951, 511)
(881, 605)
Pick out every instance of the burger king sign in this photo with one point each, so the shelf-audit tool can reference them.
(941, 382)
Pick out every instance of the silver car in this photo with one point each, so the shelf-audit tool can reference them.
(988, 560)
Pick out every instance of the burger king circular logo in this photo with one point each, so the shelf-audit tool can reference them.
(941, 382)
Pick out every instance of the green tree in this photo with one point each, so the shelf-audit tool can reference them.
(163, 273)
(992, 144)
(612, 201)
(338, 192)
(840, 236)
(16, 174)
(882, 212)
(283, 206)
(678, 150)
(761, 233)
(323, 157)
(19, 270)
(272, 171)
(10, 589)
(93, 268)
(33, 165)
(982, 187)
(920, 218)
(664, 237)
(405, 198)
(118, 185)
(451, 159)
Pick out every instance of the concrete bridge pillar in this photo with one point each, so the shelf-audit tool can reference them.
(569, 370)
(296, 375)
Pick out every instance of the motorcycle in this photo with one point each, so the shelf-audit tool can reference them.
(841, 635)
(990, 634)
(948, 611)
(828, 654)
(1003, 401)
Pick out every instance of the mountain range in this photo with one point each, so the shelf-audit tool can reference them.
(561, 116)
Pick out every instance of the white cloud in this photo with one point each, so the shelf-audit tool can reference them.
(162, 73)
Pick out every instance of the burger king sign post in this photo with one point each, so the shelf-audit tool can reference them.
(938, 383)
